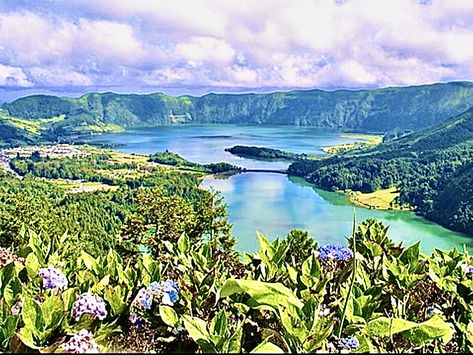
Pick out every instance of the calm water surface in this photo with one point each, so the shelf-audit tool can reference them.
(207, 143)
(273, 203)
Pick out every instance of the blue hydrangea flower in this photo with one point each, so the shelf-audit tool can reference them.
(154, 287)
(349, 343)
(143, 299)
(135, 320)
(170, 292)
(335, 252)
(169, 298)
(53, 278)
(91, 304)
(167, 292)
(81, 342)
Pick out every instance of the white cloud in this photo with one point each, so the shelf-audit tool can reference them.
(58, 77)
(201, 50)
(13, 77)
(285, 43)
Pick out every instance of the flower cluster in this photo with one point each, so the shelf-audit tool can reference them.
(166, 292)
(135, 320)
(81, 342)
(6, 257)
(53, 278)
(350, 343)
(143, 299)
(335, 252)
(89, 303)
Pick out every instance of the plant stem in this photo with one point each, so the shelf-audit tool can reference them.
(352, 277)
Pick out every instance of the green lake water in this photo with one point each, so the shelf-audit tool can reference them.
(273, 204)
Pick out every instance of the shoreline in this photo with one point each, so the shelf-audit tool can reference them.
(366, 140)
(382, 200)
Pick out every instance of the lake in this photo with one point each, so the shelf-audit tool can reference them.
(274, 203)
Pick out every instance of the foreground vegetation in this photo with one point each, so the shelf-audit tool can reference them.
(194, 293)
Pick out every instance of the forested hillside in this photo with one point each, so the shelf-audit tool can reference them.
(380, 110)
(431, 167)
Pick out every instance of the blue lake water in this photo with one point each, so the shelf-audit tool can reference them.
(273, 203)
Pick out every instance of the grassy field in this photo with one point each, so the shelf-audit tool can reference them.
(75, 187)
(366, 140)
(380, 199)
(31, 126)
(99, 128)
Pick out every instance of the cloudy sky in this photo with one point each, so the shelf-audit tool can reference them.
(195, 46)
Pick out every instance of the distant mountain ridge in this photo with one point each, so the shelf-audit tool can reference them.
(378, 110)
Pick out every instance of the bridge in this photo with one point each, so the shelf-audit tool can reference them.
(281, 171)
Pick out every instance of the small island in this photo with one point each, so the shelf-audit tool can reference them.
(264, 153)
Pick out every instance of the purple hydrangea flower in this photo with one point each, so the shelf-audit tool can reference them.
(349, 343)
(335, 252)
(143, 299)
(89, 303)
(81, 342)
(53, 278)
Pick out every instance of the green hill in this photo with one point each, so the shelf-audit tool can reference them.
(380, 110)
(433, 169)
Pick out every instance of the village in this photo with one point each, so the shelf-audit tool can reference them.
(53, 151)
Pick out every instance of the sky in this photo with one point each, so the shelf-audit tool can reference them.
(69, 47)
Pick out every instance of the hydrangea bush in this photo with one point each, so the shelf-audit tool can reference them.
(53, 278)
(91, 304)
(367, 296)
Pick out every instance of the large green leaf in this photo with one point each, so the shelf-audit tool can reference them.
(31, 314)
(218, 325)
(196, 327)
(233, 344)
(267, 347)
(311, 266)
(168, 315)
(26, 335)
(12, 290)
(116, 298)
(89, 261)
(52, 310)
(418, 333)
(183, 243)
(410, 256)
(32, 265)
(262, 293)
(293, 324)
(433, 328)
